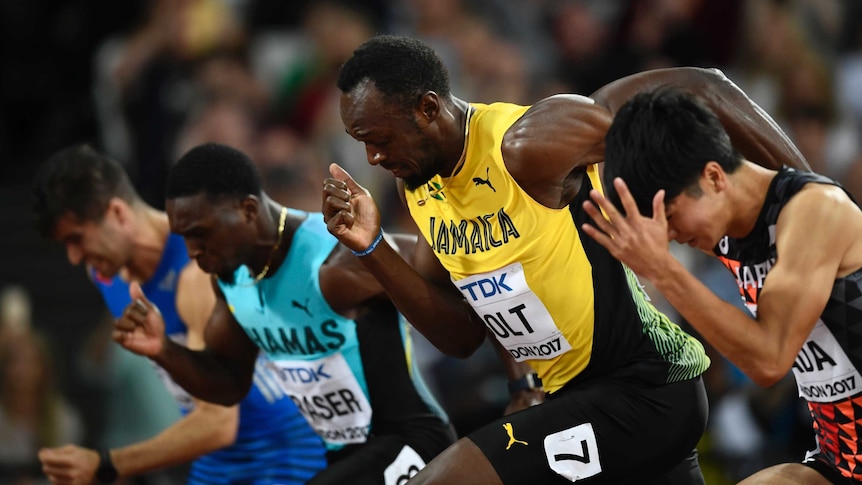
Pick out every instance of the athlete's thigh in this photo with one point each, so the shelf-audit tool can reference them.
(608, 433)
(382, 460)
(462, 463)
(786, 474)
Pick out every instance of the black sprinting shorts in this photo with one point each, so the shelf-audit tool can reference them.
(391, 457)
(602, 432)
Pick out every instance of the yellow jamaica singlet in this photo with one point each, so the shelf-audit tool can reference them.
(552, 298)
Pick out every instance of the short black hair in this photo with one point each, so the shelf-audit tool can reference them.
(81, 181)
(216, 170)
(402, 68)
(662, 139)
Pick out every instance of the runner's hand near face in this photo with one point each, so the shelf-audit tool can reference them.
(350, 212)
(141, 328)
(640, 242)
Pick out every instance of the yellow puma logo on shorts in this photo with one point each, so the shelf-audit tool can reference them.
(510, 431)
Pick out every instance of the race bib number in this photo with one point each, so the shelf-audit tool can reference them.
(573, 453)
(823, 371)
(514, 313)
(405, 466)
(329, 396)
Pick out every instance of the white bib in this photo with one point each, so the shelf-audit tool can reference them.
(514, 313)
(329, 396)
(823, 371)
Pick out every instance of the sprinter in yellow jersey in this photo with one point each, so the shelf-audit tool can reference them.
(496, 191)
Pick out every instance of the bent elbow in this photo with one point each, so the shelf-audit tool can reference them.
(705, 76)
(461, 352)
(718, 72)
(765, 380)
(768, 375)
(713, 72)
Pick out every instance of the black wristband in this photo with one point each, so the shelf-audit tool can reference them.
(106, 473)
(529, 381)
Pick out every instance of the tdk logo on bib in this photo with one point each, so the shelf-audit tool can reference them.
(486, 288)
(303, 375)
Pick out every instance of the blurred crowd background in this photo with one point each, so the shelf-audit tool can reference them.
(145, 80)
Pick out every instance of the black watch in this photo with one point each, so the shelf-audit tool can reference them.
(530, 382)
(106, 473)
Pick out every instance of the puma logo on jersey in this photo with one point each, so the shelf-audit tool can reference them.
(511, 432)
(484, 181)
(296, 304)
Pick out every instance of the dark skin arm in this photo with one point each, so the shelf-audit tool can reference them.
(548, 147)
(752, 131)
(422, 292)
(545, 148)
(348, 285)
(222, 373)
